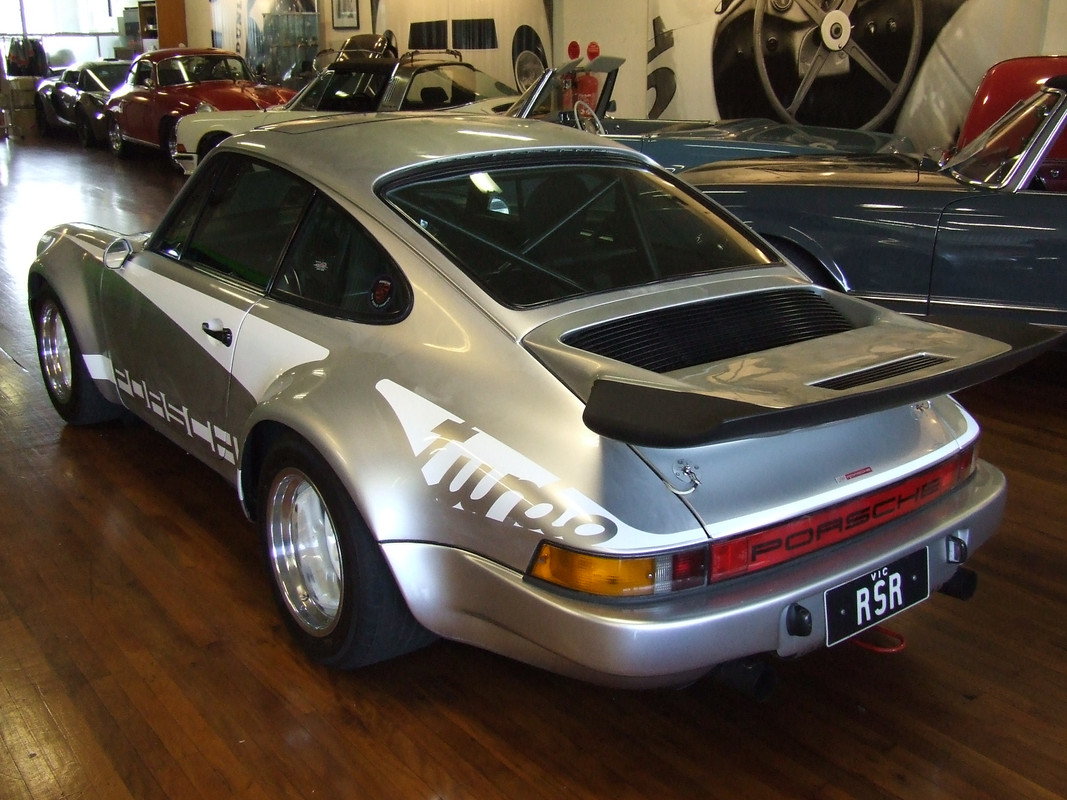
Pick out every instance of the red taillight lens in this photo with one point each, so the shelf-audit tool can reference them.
(785, 541)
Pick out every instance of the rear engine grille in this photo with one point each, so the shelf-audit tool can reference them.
(684, 336)
(881, 372)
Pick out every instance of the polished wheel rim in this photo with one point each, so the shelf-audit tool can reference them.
(54, 351)
(114, 135)
(304, 553)
(528, 69)
(172, 143)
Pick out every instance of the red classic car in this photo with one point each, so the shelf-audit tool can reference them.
(166, 84)
(1004, 85)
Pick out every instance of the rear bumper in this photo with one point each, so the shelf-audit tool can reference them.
(464, 597)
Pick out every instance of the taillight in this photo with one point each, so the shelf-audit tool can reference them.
(648, 575)
(767, 547)
(616, 576)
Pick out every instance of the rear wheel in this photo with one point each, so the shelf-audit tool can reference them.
(168, 140)
(209, 143)
(330, 579)
(68, 382)
(85, 131)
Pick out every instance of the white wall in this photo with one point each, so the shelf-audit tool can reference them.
(979, 35)
(620, 30)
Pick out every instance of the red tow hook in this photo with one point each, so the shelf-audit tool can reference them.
(881, 639)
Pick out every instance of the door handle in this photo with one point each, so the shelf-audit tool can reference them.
(215, 330)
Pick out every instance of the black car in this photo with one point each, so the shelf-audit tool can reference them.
(986, 231)
(77, 96)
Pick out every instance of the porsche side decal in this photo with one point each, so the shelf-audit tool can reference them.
(223, 444)
(476, 473)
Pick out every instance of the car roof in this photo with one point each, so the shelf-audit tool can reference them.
(98, 62)
(351, 152)
(158, 55)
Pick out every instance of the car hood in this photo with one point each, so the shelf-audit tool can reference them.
(808, 137)
(237, 95)
(884, 170)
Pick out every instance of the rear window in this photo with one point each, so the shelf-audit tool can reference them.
(534, 234)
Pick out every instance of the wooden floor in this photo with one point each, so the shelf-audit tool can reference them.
(141, 656)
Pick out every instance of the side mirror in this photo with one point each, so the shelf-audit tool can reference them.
(116, 253)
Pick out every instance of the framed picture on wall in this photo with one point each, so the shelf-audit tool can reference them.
(346, 13)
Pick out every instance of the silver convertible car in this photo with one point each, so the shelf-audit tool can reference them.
(507, 383)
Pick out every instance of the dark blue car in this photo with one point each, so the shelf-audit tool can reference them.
(986, 231)
(560, 95)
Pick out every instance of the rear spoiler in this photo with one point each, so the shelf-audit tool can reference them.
(651, 416)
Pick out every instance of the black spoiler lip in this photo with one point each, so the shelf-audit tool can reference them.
(650, 416)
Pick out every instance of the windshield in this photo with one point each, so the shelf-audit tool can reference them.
(106, 77)
(540, 233)
(451, 85)
(197, 69)
(342, 91)
(556, 92)
(990, 159)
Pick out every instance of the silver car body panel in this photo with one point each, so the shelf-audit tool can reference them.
(459, 433)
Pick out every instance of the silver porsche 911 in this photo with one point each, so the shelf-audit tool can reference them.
(510, 384)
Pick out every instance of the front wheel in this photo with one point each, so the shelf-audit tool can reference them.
(66, 378)
(330, 579)
(115, 142)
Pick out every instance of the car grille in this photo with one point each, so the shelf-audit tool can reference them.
(881, 372)
(684, 336)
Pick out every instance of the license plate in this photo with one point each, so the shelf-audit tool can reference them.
(875, 596)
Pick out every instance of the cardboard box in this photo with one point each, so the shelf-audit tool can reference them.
(21, 122)
(22, 91)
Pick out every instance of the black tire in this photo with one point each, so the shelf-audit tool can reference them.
(168, 140)
(116, 144)
(84, 129)
(209, 143)
(41, 118)
(335, 591)
(66, 379)
(528, 57)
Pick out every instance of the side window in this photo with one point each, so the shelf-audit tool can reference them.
(334, 267)
(237, 220)
(173, 234)
(142, 74)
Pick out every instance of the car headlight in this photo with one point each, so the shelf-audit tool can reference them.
(205, 106)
